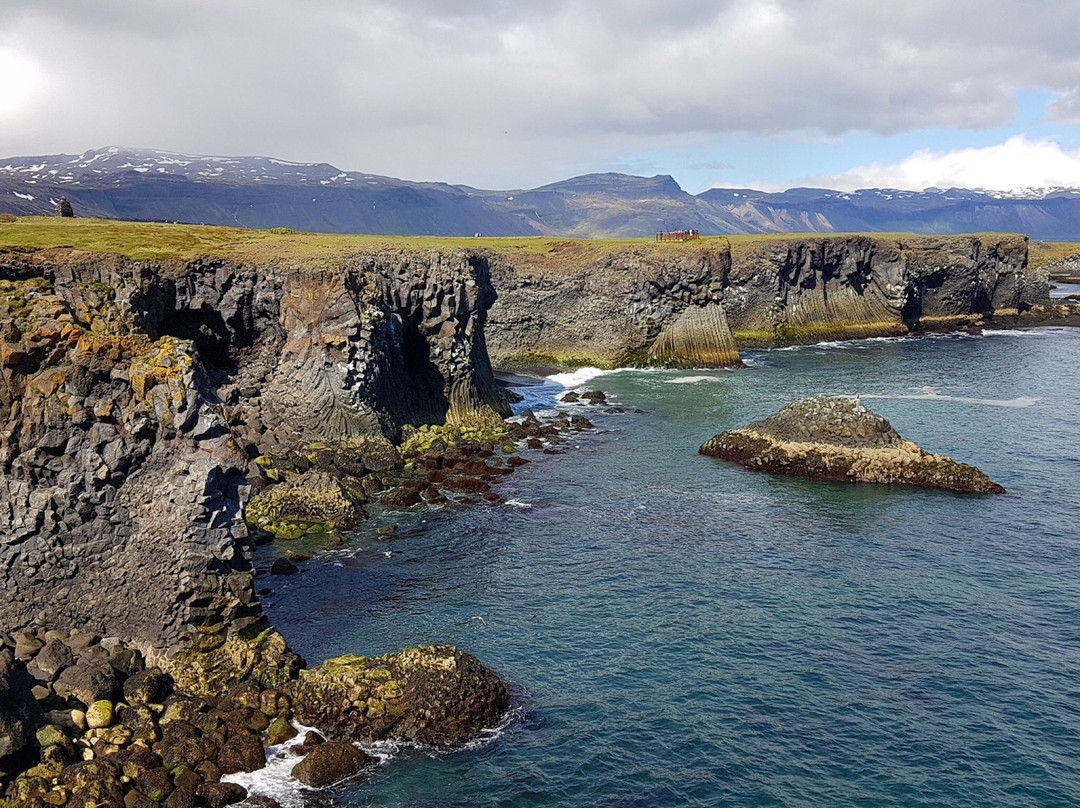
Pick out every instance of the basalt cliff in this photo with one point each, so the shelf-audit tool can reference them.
(697, 303)
(135, 395)
(142, 402)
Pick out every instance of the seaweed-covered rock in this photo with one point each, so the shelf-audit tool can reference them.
(313, 503)
(435, 695)
(330, 763)
(841, 440)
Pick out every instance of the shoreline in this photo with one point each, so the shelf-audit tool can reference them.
(290, 399)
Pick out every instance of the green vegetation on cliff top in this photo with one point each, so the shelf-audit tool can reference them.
(148, 240)
(1041, 253)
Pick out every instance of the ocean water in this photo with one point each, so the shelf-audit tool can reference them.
(679, 631)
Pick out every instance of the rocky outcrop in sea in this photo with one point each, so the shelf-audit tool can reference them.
(840, 440)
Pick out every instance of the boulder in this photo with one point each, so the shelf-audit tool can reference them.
(330, 763)
(283, 566)
(401, 497)
(279, 732)
(264, 660)
(50, 660)
(241, 753)
(434, 695)
(147, 687)
(100, 714)
(840, 440)
(313, 503)
(86, 684)
(218, 795)
(26, 645)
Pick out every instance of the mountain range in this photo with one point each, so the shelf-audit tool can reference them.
(261, 192)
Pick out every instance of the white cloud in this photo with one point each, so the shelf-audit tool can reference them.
(20, 79)
(1017, 163)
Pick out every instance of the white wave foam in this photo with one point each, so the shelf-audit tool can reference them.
(578, 377)
(929, 394)
(513, 503)
(1010, 332)
(693, 379)
(492, 734)
(275, 779)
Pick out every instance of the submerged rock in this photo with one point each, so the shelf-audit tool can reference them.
(433, 695)
(839, 439)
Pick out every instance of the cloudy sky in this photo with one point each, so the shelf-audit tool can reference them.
(507, 94)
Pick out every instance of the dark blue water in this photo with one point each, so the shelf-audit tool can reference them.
(683, 632)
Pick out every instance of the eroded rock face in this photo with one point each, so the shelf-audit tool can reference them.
(840, 440)
(634, 307)
(695, 306)
(805, 290)
(119, 483)
(134, 394)
(432, 695)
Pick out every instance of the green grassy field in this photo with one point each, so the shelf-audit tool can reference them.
(141, 241)
(144, 241)
(1051, 252)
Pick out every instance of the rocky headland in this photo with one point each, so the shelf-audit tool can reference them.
(143, 402)
(696, 304)
(840, 440)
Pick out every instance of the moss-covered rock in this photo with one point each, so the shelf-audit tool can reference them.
(418, 441)
(264, 660)
(99, 714)
(312, 503)
(434, 695)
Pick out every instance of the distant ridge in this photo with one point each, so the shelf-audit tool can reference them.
(150, 185)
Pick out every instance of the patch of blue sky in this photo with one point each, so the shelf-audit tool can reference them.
(786, 160)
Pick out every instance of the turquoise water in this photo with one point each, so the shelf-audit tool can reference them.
(679, 631)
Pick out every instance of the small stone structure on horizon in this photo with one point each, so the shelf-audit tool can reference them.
(63, 209)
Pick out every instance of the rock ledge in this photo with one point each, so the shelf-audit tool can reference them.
(840, 440)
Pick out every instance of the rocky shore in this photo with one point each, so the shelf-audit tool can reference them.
(85, 723)
(840, 440)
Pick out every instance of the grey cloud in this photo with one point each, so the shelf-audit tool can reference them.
(1065, 108)
(503, 93)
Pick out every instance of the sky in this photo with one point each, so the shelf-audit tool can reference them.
(504, 94)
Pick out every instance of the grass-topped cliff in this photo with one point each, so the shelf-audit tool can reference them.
(617, 301)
